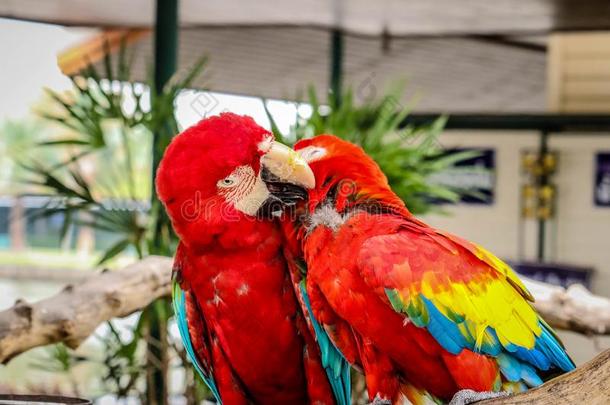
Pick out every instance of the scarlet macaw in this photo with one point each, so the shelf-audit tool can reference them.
(234, 303)
(426, 314)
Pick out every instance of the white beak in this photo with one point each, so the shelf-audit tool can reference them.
(288, 166)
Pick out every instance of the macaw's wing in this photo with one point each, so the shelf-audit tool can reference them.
(336, 366)
(465, 297)
(193, 329)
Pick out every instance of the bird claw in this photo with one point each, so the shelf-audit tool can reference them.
(465, 397)
(379, 401)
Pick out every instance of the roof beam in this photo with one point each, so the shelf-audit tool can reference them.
(524, 122)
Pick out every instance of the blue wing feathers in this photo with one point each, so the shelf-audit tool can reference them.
(517, 364)
(336, 366)
(550, 346)
(444, 330)
(515, 370)
(178, 301)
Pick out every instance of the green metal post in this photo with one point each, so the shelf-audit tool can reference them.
(542, 182)
(166, 60)
(336, 66)
(166, 51)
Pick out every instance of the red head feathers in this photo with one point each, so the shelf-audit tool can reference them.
(212, 175)
(346, 173)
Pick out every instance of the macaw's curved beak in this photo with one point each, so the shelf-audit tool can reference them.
(287, 177)
(285, 165)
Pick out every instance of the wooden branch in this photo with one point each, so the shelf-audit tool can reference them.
(589, 384)
(75, 312)
(575, 308)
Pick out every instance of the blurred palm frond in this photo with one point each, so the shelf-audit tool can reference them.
(409, 156)
(104, 179)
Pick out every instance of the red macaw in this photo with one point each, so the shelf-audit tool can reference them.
(234, 303)
(426, 314)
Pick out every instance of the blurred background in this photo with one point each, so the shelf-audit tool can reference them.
(490, 118)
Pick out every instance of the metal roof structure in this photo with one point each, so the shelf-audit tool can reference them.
(361, 17)
(470, 56)
(441, 74)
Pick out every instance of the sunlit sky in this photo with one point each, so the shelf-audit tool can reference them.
(29, 64)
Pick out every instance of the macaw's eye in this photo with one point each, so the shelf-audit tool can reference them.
(226, 182)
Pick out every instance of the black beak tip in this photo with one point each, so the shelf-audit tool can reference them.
(282, 195)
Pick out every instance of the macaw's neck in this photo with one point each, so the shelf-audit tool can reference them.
(332, 206)
(228, 237)
(356, 190)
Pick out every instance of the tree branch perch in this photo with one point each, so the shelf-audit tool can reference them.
(74, 313)
(574, 308)
(589, 384)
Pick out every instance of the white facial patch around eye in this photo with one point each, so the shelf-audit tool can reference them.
(311, 153)
(242, 188)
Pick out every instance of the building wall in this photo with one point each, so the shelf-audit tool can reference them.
(579, 235)
(583, 230)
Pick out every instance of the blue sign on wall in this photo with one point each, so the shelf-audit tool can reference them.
(601, 190)
(478, 175)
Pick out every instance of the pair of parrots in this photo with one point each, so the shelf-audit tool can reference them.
(296, 265)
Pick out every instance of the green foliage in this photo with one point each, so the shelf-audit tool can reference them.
(57, 359)
(108, 148)
(18, 141)
(105, 180)
(121, 362)
(408, 156)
